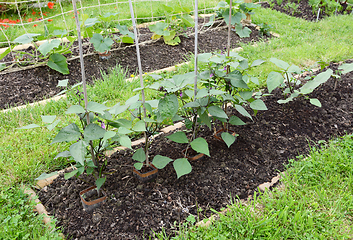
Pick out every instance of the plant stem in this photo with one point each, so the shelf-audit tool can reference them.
(141, 78)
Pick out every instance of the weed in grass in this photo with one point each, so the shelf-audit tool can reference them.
(19, 221)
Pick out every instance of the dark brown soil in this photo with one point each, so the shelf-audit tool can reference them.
(32, 85)
(135, 210)
(301, 10)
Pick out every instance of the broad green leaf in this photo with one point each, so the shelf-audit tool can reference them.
(7, 51)
(160, 161)
(242, 111)
(101, 44)
(192, 105)
(188, 20)
(182, 166)
(67, 134)
(63, 154)
(46, 175)
(58, 63)
(234, 120)
(127, 39)
(117, 109)
(139, 155)
(228, 138)
(53, 125)
(91, 21)
(294, 69)
(317, 81)
(96, 107)
(78, 151)
(30, 126)
(168, 106)
(138, 165)
(70, 174)
(100, 182)
(26, 38)
(257, 62)
(124, 130)
(200, 145)
(235, 19)
(2, 66)
(315, 102)
(204, 57)
(63, 83)
(75, 109)
(46, 47)
(125, 141)
(178, 137)
(172, 41)
(243, 32)
(274, 79)
(160, 28)
(205, 119)
(279, 63)
(94, 132)
(132, 100)
(139, 126)
(346, 68)
(258, 104)
(125, 31)
(246, 95)
(108, 135)
(217, 112)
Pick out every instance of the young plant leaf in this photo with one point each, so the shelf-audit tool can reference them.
(75, 109)
(78, 151)
(160, 161)
(58, 63)
(346, 68)
(96, 107)
(139, 126)
(67, 134)
(217, 112)
(168, 106)
(279, 63)
(182, 166)
(94, 132)
(63, 154)
(178, 137)
(160, 28)
(46, 175)
(274, 79)
(26, 38)
(138, 165)
(234, 120)
(46, 47)
(315, 102)
(100, 182)
(125, 141)
(139, 155)
(200, 145)
(228, 138)
(258, 104)
(70, 174)
(108, 135)
(242, 111)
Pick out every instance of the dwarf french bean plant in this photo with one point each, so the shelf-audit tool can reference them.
(291, 86)
(229, 77)
(97, 131)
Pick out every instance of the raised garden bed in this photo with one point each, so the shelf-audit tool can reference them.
(35, 84)
(134, 209)
(301, 9)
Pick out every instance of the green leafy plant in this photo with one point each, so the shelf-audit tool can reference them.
(227, 79)
(177, 19)
(51, 50)
(265, 29)
(91, 138)
(327, 6)
(100, 30)
(290, 85)
(239, 9)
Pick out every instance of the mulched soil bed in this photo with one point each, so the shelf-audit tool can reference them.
(304, 9)
(134, 209)
(32, 85)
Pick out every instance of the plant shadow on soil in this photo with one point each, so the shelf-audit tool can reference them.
(134, 209)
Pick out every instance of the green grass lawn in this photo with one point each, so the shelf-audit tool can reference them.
(25, 154)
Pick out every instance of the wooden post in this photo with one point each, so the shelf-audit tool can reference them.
(248, 19)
